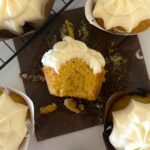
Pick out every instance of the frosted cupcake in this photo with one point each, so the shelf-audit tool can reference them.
(121, 16)
(16, 119)
(72, 69)
(21, 16)
(127, 121)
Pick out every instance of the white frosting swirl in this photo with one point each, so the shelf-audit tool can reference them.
(70, 49)
(124, 13)
(14, 13)
(131, 127)
(12, 8)
(13, 125)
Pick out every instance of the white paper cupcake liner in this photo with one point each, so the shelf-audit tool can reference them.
(25, 143)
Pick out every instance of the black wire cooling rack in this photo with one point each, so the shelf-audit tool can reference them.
(7, 46)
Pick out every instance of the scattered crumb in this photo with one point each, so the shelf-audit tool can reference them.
(111, 50)
(97, 106)
(32, 77)
(50, 42)
(83, 31)
(81, 107)
(117, 61)
(79, 32)
(71, 105)
(24, 75)
(63, 31)
(67, 29)
(112, 43)
(70, 28)
(48, 109)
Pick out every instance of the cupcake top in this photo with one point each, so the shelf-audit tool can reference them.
(13, 124)
(71, 49)
(131, 127)
(14, 13)
(122, 13)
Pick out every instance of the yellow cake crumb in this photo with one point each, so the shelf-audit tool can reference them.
(70, 27)
(71, 105)
(81, 107)
(48, 109)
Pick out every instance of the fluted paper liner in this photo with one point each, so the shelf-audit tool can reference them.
(89, 15)
(25, 142)
(4, 34)
(108, 123)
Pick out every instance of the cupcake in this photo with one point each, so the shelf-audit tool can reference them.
(125, 16)
(72, 69)
(16, 118)
(127, 121)
(21, 16)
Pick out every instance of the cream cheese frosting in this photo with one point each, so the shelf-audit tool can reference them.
(131, 127)
(122, 13)
(13, 125)
(12, 8)
(70, 49)
(14, 13)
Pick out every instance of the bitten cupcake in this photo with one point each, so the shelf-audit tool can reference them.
(72, 69)
(122, 16)
(20, 16)
(127, 121)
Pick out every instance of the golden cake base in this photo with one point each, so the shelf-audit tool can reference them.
(75, 79)
(140, 28)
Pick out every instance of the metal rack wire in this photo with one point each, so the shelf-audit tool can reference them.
(8, 47)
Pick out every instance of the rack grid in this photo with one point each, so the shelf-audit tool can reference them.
(7, 49)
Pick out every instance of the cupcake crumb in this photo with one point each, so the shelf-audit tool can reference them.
(48, 109)
(117, 61)
(81, 107)
(71, 105)
(67, 29)
(32, 77)
(84, 31)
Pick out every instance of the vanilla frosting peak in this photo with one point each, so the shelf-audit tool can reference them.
(13, 125)
(15, 13)
(122, 13)
(10, 9)
(131, 127)
(70, 49)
